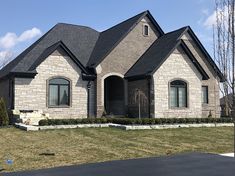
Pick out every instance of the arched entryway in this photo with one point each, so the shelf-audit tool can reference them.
(114, 95)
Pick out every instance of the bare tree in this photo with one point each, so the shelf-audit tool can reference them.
(224, 51)
(5, 58)
(223, 35)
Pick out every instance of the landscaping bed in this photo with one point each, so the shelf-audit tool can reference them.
(134, 121)
(128, 123)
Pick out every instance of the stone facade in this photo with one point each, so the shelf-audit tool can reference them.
(31, 94)
(123, 56)
(213, 105)
(177, 66)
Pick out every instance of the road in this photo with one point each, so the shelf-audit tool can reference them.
(189, 164)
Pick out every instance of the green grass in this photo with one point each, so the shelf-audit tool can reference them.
(77, 146)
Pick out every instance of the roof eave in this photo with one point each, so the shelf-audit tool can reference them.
(23, 74)
(138, 77)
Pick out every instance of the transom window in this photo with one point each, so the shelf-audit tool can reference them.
(178, 94)
(59, 92)
(145, 30)
(204, 94)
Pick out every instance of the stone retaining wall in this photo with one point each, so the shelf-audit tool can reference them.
(124, 127)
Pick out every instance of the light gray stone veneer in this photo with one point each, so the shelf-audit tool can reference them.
(31, 94)
(177, 67)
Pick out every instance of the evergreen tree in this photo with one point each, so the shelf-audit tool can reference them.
(4, 119)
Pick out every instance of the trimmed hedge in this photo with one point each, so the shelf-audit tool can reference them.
(134, 121)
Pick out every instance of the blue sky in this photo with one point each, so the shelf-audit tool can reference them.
(24, 21)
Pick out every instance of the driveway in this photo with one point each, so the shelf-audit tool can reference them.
(189, 164)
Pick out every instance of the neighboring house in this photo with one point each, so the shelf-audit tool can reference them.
(223, 104)
(75, 71)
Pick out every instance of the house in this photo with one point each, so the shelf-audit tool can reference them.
(132, 68)
(229, 100)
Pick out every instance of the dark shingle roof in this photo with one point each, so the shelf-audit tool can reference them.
(79, 39)
(110, 38)
(88, 45)
(152, 59)
(230, 99)
(58, 45)
(156, 54)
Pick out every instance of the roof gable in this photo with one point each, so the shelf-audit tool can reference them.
(153, 58)
(110, 38)
(80, 40)
(156, 54)
(87, 47)
(50, 50)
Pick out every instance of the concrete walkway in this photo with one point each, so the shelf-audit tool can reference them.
(191, 164)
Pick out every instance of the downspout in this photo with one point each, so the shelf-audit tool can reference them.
(12, 82)
(88, 98)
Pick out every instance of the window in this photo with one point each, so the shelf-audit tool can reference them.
(145, 30)
(59, 92)
(204, 94)
(178, 94)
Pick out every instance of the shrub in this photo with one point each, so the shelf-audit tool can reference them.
(4, 119)
(43, 122)
(134, 121)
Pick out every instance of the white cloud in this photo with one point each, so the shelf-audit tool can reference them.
(11, 39)
(5, 54)
(222, 16)
(211, 20)
(8, 41)
(29, 34)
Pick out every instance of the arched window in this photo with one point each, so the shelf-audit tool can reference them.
(178, 94)
(59, 92)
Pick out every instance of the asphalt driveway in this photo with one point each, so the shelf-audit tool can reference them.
(190, 164)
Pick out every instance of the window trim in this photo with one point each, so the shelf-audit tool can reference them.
(207, 91)
(69, 93)
(187, 94)
(145, 25)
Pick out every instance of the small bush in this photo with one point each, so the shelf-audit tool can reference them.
(4, 119)
(43, 122)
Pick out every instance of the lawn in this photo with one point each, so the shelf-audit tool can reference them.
(77, 146)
